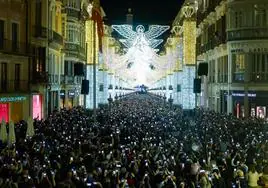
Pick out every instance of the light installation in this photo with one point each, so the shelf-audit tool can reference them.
(140, 56)
(189, 42)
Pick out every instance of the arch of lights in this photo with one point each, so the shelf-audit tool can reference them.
(140, 62)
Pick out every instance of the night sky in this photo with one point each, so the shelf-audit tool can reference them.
(146, 12)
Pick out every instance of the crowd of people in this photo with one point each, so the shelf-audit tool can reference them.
(141, 142)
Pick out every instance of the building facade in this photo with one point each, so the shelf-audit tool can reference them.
(16, 57)
(75, 56)
(233, 41)
(46, 32)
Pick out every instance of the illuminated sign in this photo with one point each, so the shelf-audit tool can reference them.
(71, 93)
(243, 94)
(12, 99)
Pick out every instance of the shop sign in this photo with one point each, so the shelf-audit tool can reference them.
(71, 93)
(243, 94)
(12, 99)
(62, 93)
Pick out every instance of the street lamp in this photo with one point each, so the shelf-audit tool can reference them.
(110, 99)
(170, 100)
(164, 93)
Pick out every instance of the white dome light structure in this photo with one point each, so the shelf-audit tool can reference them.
(141, 56)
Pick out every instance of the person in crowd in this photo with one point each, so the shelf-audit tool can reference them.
(253, 176)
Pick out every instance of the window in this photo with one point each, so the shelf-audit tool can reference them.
(72, 4)
(73, 34)
(66, 67)
(259, 67)
(17, 77)
(38, 17)
(14, 36)
(3, 76)
(238, 19)
(259, 17)
(239, 66)
(2, 32)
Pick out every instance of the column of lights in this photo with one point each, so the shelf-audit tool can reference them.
(189, 42)
(90, 40)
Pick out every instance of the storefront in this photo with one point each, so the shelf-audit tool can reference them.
(4, 112)
(62, 98)
(71, 96)
(14, 108)
(37, 102)
(257, 101)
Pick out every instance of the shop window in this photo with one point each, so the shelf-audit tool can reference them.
(37, 107)
(16, 111)
(4, 112)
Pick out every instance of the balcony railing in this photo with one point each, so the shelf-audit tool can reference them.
(12, 47)
(62, 79)
(75, 50)
(40, 31)
(39, 77)
(53, 79)
(247, 34)
(72, 12)
(70, 80)
(7, 86)
(55, 37)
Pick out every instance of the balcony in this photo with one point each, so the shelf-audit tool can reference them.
(9, 86)
(18, 48)
(55, 37)
(40, 77)
(70, 80)
(40, 32)
(53, 79)
(72, 12)
(75, 50)
(62, 79)
(247, 34)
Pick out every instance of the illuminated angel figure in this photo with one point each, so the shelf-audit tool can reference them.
(140, 36)
(141, 52)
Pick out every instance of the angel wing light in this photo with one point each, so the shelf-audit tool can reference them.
(126, 31)
(141, 50)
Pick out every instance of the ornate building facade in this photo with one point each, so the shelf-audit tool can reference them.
(46, 33)
(75, 55)
(232, 39)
